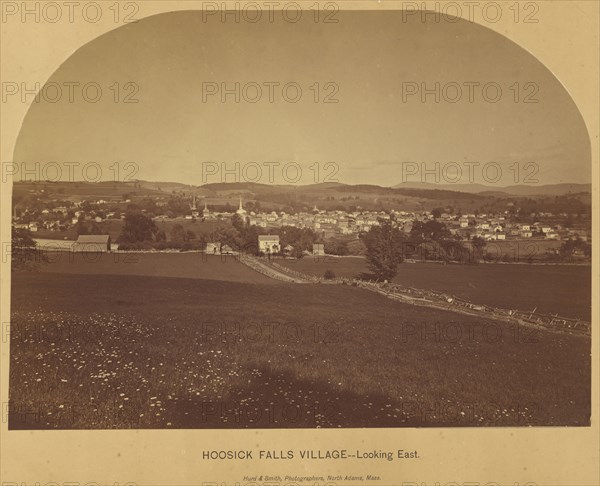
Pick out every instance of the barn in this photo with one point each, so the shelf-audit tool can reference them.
(92, 243)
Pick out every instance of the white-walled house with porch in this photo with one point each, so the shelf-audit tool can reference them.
(268, 244)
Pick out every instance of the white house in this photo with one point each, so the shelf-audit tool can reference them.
(268, 243)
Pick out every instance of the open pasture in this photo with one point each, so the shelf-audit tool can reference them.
(193, 265)
(122, 351)
(552, 289)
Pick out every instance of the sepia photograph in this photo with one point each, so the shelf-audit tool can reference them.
(299, 243)
(246, 219)
(299, 219)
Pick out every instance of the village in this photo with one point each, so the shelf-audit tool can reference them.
(64, 218)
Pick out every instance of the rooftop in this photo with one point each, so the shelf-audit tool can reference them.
(103, 239)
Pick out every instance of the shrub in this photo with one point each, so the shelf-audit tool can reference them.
(328, 275)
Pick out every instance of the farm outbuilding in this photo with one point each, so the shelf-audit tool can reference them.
(92, 243)
(318, 249)
(226, 250)
(213, 248)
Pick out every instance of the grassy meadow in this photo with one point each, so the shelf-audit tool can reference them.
(554, 289)
(100, 351)
(176, 264)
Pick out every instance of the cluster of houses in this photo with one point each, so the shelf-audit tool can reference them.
(269, 244)
(61, 218)
(501, 229)
(331, 224)
(325, 223)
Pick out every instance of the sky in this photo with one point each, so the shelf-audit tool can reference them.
(180, 131)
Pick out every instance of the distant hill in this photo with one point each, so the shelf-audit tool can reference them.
(335, 195)
(332, 191)
(327, 196)
(78, 190)
(514, 190)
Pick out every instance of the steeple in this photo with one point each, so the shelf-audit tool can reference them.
(241, 209)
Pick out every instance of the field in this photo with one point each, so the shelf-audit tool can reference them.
(561, 289)
(187, 264)
(522, 250)
(122, 351)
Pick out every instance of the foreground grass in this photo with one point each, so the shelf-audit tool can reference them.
(101, 351)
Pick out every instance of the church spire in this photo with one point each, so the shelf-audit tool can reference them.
(241, 211)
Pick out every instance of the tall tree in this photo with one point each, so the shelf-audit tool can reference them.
(137, 228)
(81, 228)
(478, 246)
(429, 231)
(177, 233)
(384, 249)
(24, 252)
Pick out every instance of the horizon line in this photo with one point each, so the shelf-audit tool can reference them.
(290, 184)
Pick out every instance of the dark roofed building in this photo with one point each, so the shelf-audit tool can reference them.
(92, 243)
